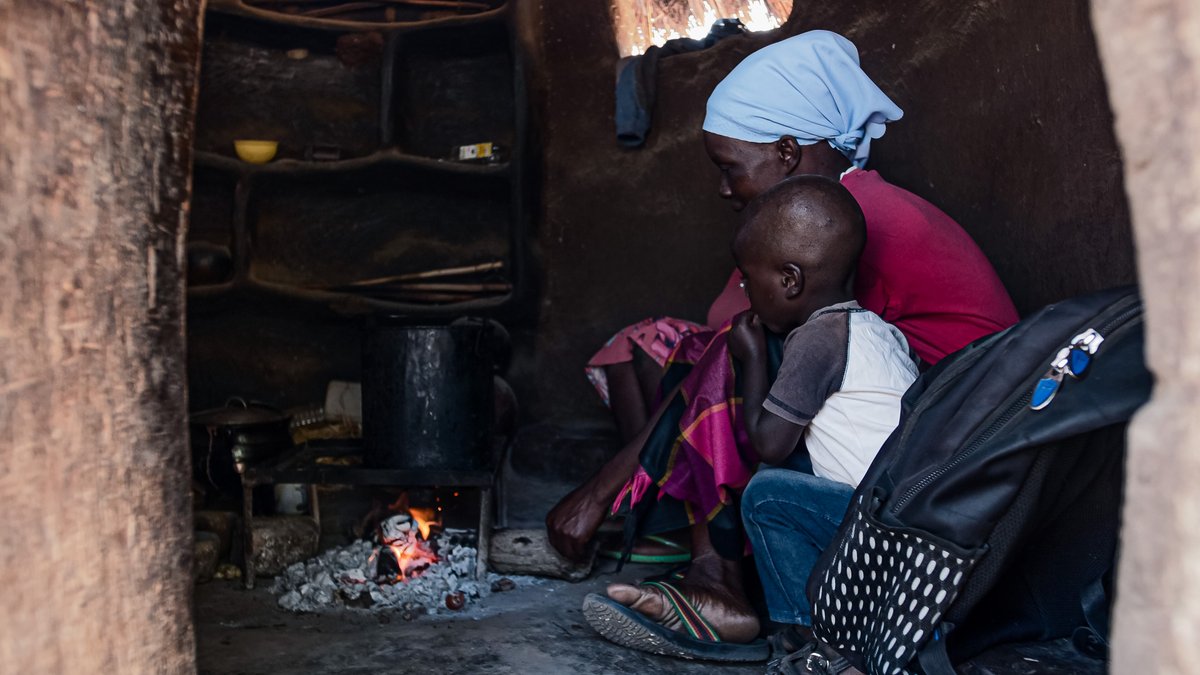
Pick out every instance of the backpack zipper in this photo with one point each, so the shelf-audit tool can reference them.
(1005, 417)
(1119, 319)
(1009, 413)
(946, 379)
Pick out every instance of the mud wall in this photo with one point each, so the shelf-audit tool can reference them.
(1007, 128)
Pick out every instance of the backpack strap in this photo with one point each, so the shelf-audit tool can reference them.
(933, 658)
(1092, 639)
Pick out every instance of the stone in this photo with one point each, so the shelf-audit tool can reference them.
(221, 523)
(228, 571)
(360, 601)
(207, 547)
(280, 541)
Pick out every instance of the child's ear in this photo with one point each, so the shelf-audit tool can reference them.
(793, 280)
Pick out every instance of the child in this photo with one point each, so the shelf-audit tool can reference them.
(835, 400)
(837, 396)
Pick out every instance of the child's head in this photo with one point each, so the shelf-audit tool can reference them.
(797, 247)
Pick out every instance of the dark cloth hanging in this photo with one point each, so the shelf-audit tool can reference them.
(637, 81)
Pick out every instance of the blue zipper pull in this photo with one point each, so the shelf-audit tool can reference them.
(1046, 388)
(1083, 347)
(1051, 382)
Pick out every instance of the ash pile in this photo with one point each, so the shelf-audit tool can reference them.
(408, 569)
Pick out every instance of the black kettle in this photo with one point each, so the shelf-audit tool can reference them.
(225, 440)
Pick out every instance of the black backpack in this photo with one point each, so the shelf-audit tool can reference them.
(990, 515)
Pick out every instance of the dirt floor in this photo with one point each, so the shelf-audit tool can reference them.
(533, 629)
(536, 629)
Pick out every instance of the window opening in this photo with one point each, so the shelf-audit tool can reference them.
(640, 24)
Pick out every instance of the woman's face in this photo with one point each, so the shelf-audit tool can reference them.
(747, 169)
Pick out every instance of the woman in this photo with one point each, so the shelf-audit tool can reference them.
(799, 106)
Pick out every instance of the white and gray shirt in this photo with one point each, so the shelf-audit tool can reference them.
(843, 374)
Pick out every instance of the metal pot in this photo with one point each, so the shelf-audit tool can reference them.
(427, 396)
(225, 440)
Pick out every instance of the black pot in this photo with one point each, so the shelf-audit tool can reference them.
(427, 396)
(227, 439)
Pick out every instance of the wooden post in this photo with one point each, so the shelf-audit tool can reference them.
(1151, 55)
(483, 543)
(96, 108)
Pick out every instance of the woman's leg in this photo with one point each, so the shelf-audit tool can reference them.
(627, 370)
(649, 375)
(627, 399)
(713, 582)
(790, 518)
(632, 388)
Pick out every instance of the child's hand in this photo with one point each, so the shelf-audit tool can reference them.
(747, 341)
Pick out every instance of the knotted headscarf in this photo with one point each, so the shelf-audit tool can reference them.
(809, 86)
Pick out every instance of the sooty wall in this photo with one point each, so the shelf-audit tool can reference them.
(1007, 128)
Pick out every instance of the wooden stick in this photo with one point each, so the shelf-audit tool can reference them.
(340, 9)
(431, 297)
(431, 274)
(451, 288)
(449, 4)
(483, 543)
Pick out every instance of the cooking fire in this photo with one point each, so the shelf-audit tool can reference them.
(412, 564)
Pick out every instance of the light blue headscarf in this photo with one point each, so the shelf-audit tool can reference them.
(809, 86)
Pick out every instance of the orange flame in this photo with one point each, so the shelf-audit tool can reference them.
(411, 557)
(425, 518)
(412, 553)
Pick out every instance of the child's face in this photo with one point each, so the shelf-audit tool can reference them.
(767, 288)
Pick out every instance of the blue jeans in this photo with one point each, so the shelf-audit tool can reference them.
(791, 517)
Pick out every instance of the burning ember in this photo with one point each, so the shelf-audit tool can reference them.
(405, 549)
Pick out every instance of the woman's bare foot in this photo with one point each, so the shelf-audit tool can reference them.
(713, 586)
(733, 621)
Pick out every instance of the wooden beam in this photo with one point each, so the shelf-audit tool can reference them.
(1150, 50)
(96, 105)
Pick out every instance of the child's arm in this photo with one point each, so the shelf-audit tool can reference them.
(774, 438)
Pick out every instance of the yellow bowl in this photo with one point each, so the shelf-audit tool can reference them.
(256, 152)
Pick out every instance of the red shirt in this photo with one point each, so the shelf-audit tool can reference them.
(920, 271)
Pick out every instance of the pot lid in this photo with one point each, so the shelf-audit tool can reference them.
(239, 413)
